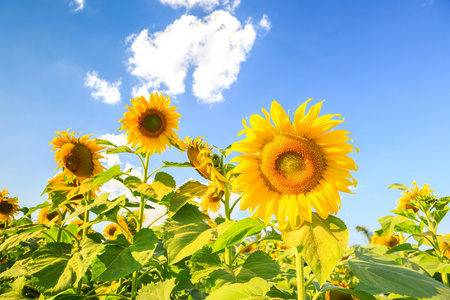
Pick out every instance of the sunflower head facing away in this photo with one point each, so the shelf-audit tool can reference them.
(77, 156)
(200, 156)
(390, 241)
(8, 207)
(405, 202)
(150, 123)
(291, 166)
(211, 200)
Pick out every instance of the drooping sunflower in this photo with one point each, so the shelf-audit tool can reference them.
(111, 230)
(211, 200)
(77, 156)
(289, 167)
(8, 207)
(337, 295)
(445, 247)
(390, 241)
(150, 123)
(411, 193)
(44, 217)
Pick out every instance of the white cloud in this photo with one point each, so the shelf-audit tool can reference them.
(264, 23)
(214, 47)
(207, 5)
(108, 91)
(117, 139)
(78, 3)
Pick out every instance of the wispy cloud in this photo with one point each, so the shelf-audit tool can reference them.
(107, 91)
(213, 47)
(264, 23)
(207, 5)
(79, 5)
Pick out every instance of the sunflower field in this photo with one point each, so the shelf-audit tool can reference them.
(288, 172)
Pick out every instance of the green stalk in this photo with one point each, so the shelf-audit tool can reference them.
(135, 281)
(301, 290)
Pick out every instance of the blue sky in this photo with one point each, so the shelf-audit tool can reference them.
(383, 65)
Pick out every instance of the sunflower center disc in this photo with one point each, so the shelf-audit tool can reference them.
(152, 123)
(291, 164)
(5, 207)
(112, 231)
(77, 158)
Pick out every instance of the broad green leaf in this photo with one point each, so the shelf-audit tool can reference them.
(106, 176)
(177, 164)
(408, 213)
(16, 239)
(108, 206)
(105, 142)
(163, 184)
(51, 235)
(54, 269)
(401, 247)
(398, 186)
(83, 188)
(120, 149)
(17, 270)
(188, 191)
(238, 232)
(89, 250)
(157, 291)
(409, 226)
(258, 264)
(204, 262)
(443, 268)
(389, 277)
(255, 289)
(321, 243)
(429, 263)
(278, 293)
(438, 215)
(99, 201)
(120, 258)
(388, 223)
(361, 295)
(185, 233)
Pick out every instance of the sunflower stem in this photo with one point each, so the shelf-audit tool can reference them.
(301, 291)
(135, 281)
(228, 250)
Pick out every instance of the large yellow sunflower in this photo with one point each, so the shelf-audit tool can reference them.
(77, 156)
(411, 193)
(151, 123)
(288, 167)
(8, 207)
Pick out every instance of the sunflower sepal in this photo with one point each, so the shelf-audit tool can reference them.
(321, 243)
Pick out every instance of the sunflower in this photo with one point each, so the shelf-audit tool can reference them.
(411, 193)
(336, 295)
(44, 217)
(77, 156)
(111, 230)
(390, 241)
(8, 207)
(445, 247)
(151, 123)
(288, 167)
(211, 200)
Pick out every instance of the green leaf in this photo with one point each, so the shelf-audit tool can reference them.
(443, 268)
(105, 142)
(408, 213)
(185, 233)
(388, 223)
(54, 269)
(429, 263)
(99, 201)
(258, 264)
(401, 247)
(157, 291)
(188, 191)
(409, 226)
(391, 277)
(398, 186)
(107, 175)
(204, 262)
(120, 258)
(177, 164)
(120, 149)
(438, 215)
(321, 243)
(238, 232)
(255, 289)
(15, 239)
(162, 185)
(361, 295)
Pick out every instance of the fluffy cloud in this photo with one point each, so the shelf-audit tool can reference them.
(79, 5)
(207, 5)
(107, 91)
(213, 47)
(264, 23)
